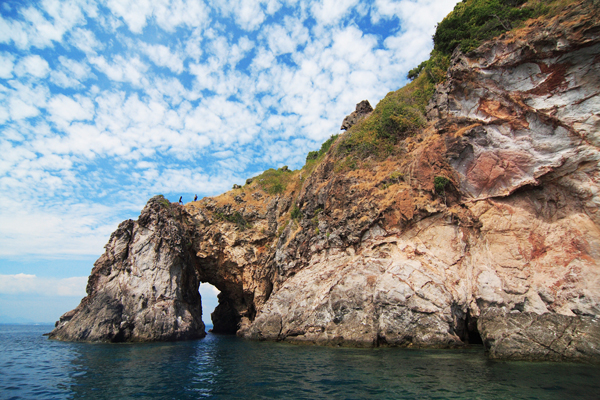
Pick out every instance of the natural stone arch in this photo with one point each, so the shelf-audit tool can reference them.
(145, 287)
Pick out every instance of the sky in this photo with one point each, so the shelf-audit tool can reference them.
(104, 104)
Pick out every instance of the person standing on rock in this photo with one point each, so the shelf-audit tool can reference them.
(180, 199)
(195, 197)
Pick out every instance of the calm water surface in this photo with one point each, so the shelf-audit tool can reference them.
(224, 367)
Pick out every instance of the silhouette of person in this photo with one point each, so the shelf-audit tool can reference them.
(196, 197)
(180, 201)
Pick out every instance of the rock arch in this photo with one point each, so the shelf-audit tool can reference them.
(145, 287)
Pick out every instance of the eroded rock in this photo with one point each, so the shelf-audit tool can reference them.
(144, 287)
(362, 110)
(531, 336)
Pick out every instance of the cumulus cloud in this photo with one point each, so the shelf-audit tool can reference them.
(33, 65)
(20, 109)
(71, 73)
(41, 27)
(121, 69)
(163, 57)
(168, 14)
(329, 12)
(249, 14)
(106, 103)
(66, 109)
(85, 40)
(35, 285)
(6, 65)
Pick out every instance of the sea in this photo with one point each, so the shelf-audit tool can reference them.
(227, 367)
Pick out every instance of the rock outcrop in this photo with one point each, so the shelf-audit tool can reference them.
(363, 109)
(144, 287)
(506, 254)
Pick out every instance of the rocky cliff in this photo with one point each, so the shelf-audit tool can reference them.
(482, 226)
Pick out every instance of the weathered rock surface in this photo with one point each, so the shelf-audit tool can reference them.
(550, 336)
(143, 287)
(507, 256)
(362, 110)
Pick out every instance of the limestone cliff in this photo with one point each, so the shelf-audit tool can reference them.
(483, 226)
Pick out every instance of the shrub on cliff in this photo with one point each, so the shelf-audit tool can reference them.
(440, 183)
(235, 218)
(468, 25)
(296, 213)
(398, 115)
(274, 181)
(473, 21)
(314, 155)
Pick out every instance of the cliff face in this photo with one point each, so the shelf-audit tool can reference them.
(505, 251)
(142, 287)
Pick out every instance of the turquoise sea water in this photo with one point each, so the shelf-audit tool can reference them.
(224, 367)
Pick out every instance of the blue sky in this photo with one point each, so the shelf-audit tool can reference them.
(104, 104)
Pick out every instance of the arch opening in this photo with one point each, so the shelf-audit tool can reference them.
(222, 307)
(209, 295)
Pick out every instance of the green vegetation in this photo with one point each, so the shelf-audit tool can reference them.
(315, 218)
(163, 202)
(236, 218)
(296, 213)
(399, 115)
(282, 227)
(396, 176)
(402, 113)
(440, 183)
(274, 181)
(314, 155)
(474, 21)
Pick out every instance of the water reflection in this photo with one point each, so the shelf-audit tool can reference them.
(132, 370)
(225, 367)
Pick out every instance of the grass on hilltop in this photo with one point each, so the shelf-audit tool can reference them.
(399, 115)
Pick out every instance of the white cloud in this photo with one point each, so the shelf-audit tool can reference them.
(85, 40)
(36, 30)
(20, 109)
(328, 12)
(163, 57)
(286, 38)
(35, 285)
(24, 100)
(33, 65)
(6, 65)
(249, 14)
(64, 109)
(96, 150)
(422, 14)
(121, 70)
(13, 31)
(133, 12)
(169, 14)
(71, 73)
(31, 210)
(207, 290)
